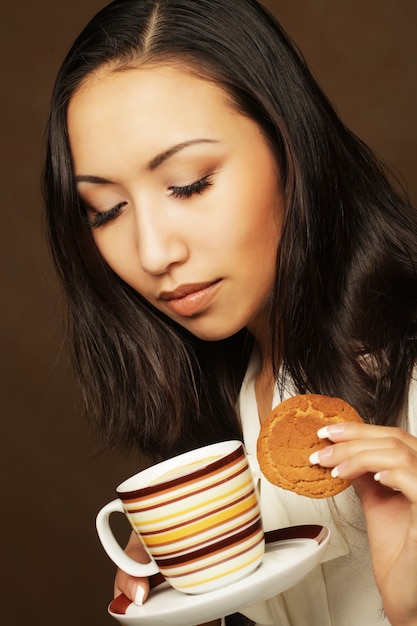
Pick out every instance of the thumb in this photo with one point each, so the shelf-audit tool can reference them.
(135, 589)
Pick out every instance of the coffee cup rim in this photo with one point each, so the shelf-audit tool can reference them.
(225, 451)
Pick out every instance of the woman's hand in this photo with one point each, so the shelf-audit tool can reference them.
(382, 462)
(136, 589)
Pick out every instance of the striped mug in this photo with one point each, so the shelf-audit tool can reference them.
(197, 515)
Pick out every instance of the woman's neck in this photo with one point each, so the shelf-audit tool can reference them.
(265, 380)
(264, 389)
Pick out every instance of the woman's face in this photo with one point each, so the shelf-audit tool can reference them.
(181, 192)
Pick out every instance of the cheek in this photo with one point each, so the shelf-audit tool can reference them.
(262, 241)
(109, 247)
(120, 254)
(259, 194)
(259, 222)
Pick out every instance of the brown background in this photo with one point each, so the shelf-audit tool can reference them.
(363, 53)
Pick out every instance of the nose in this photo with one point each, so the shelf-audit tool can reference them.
(160, 239)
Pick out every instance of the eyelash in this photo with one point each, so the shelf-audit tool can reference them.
(101, 218)
(187, 191)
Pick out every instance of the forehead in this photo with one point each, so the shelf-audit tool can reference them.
(139, 112)
(169, 91)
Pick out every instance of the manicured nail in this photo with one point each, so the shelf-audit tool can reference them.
(140, 593)
(323, 433)
(314, 458)
(378, 477)
(321, 455)
(328, 431)
(335, 472)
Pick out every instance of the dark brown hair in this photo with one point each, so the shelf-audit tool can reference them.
(343, 307)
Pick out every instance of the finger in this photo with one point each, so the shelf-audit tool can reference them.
(136, 589)
(345, 431)
(391, 469)
(390, 449)
(353, 459)
(400, 479)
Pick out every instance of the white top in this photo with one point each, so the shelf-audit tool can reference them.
(342, 590)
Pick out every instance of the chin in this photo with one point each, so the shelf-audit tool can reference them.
(212, 332)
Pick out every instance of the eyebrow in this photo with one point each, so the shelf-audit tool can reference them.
(152, 165)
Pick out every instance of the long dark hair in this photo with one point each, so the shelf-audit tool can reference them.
(343, 307)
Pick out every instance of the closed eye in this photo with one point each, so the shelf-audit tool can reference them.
(100, 218)
(196, 188)
(96, 219)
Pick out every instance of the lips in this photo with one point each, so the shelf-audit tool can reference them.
(184, 290)
(191, 299)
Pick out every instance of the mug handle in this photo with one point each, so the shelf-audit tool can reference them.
(112, 547)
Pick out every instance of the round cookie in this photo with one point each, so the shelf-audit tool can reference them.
(289, 435)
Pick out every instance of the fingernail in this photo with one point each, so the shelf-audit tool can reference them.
(323, 433)
(140, 593)
(314, 458)
(321, 455)
(378, 477)
(328, 431)
(335, 472)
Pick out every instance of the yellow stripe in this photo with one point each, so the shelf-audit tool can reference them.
(223, 574)
(210, 537)
(183, 512)
(216, 557)
(203, 525)
(211, 481)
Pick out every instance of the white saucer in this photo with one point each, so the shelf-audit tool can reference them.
(291, 553)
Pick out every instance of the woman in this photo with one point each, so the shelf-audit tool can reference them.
(225, 242)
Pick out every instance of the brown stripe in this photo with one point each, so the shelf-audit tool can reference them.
(155, 580)
(311, 531)
(207, 514)
(158, 505)
(219, 546)
(217, 563)
(224, 461)
(120, 604)
(203, 542)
